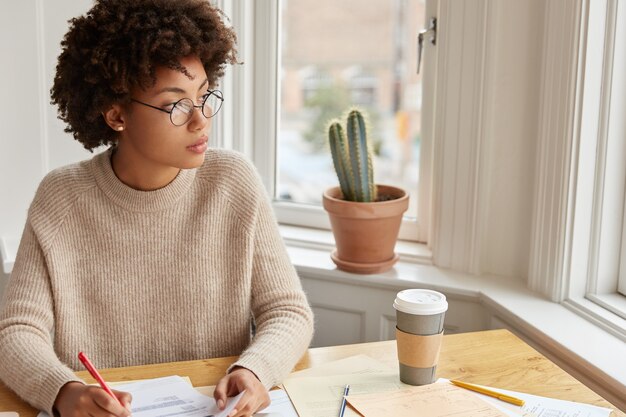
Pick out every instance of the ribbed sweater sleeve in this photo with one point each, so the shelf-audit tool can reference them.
(284, 320)
(28, 361)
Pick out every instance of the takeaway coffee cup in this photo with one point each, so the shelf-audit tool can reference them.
(419, 332)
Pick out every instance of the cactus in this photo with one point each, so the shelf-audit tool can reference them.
(352, 158)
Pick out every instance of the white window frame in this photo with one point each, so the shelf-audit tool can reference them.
(619, 84)
(579, 209)
(597, 262)
(254, 89)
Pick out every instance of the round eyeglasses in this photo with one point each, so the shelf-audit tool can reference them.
(182, 110)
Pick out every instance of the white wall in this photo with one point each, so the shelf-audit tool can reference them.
(32, 140)
(489, 61)
(514, 60)
(21, 150)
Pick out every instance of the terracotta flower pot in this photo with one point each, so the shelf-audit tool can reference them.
(366, 233)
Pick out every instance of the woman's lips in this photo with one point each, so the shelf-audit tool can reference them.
(200, 146)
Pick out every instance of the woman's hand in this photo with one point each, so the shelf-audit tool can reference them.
(256, 397)
(79, 400)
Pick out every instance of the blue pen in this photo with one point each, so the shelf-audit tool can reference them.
(343, 402)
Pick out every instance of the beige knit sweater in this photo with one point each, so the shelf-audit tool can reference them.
(137, 277)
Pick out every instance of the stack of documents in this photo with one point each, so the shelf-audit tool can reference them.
(434, 400)
(317, 392)
(444, 399)
(376, 390)
(175, 396)
(169, 396)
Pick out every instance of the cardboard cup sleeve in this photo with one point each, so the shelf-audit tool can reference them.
(418, 351)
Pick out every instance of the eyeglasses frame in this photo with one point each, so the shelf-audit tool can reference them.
(201, 107)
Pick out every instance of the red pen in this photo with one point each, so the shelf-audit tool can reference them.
(94, 373)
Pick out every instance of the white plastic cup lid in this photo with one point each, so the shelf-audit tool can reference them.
(420, 302)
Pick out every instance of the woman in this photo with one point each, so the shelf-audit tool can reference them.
(157, 249)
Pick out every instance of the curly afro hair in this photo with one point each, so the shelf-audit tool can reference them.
(119, 44)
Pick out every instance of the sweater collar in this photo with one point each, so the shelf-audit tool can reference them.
(136, 200)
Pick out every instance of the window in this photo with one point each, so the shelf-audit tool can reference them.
(362, 85)
(326, 59)
(597, 284)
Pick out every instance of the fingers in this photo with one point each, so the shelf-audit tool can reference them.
(247, 408)
(220, 394)
(124, 397)
(250, 403)
(108, 404)
(239, 380)
(266, 401)
(242, 407)
(78, 400)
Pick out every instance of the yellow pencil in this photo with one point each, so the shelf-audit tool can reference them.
(495, 394)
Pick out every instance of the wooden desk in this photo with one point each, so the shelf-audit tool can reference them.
(496, 358)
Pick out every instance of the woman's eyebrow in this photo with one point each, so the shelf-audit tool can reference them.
(205, 82)
(170, 90)
(180, 90)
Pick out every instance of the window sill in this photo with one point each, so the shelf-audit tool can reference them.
(579, 346)
(605, 309)
(320, 239)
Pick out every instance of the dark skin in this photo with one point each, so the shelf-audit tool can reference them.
(150, 153)
(151, 150)
(76, 400)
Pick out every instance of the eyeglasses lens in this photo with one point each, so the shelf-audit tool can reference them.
(212, 104)
(183, 109)
(182, 112)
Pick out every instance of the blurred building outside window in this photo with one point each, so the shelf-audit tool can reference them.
(337, 55)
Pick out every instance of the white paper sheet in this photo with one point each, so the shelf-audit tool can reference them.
(280, 403)
(320, 396)
(550, 407)
(171, 396)
(280, 407)
(358, 364)
(538, 406)
(318, 391)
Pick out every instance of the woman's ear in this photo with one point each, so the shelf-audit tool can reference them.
(114, 117)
